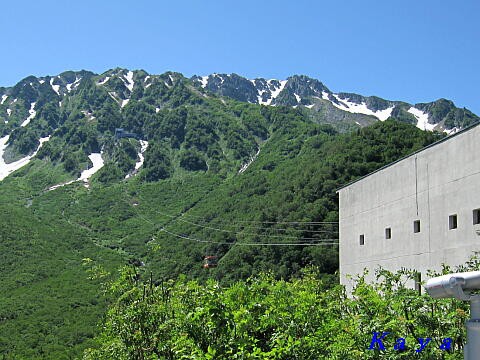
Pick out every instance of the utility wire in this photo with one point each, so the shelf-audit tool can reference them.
(234, 232)
(244, 244)
(272, 222)
(233, 225)
(318, 242)
(275, 222)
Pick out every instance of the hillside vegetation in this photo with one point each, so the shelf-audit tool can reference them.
(293, 179)
(253, 185)
(265, 318)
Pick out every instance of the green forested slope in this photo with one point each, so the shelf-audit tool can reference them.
(48, 308)
(189, 198)
(46, 234)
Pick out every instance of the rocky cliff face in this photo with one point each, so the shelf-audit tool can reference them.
(311, 94)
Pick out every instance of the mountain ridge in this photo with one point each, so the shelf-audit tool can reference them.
(72, 117)
(296, 90)
(301, 90)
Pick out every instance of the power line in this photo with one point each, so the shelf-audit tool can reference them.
(245, 244)
(315, 242)
(233, 225)
(272, 222)
(177, 218)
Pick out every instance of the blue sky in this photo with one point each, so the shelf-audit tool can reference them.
(416, 51)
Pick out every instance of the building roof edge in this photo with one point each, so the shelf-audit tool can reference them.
(407, 156)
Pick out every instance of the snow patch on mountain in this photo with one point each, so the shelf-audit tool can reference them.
(9, 112)
(97, 161)
(59, 185)
(41, 141)
(204, 81)
(383, 115)
(73, 85)
(55, 88)
(451, 131)
(143, 148)
(297, 97)
(139, 163)
(260, 98)
(41, 81)
(129, 81)
(222, 80)
(89, 115)
(113, 95)
(249, 162)
(148, 81)
(422, 119)
(4, 97)
(274, 93)
(352, 107)
(278, 90)
(7, 169)
(124, 102)
(259, 93)
(104, 81)
(32, 113)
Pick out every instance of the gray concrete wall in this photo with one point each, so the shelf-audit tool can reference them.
(428, 186)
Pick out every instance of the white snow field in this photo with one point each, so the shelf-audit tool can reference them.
(7, 169)
(32, 113)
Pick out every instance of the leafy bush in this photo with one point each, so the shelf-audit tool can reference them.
(265, 318)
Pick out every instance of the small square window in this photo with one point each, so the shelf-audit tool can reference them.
(476, 216)
(362, 239)
(388, 233)
(416, 226)
(452, 221)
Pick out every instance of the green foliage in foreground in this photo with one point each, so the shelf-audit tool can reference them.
(265, 318)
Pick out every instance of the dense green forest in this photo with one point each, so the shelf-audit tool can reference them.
(219, 177)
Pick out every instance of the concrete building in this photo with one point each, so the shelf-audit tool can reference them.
(416, 213)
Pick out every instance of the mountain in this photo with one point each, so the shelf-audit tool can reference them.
(324, 105)
(154, 172)
(82, 110)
